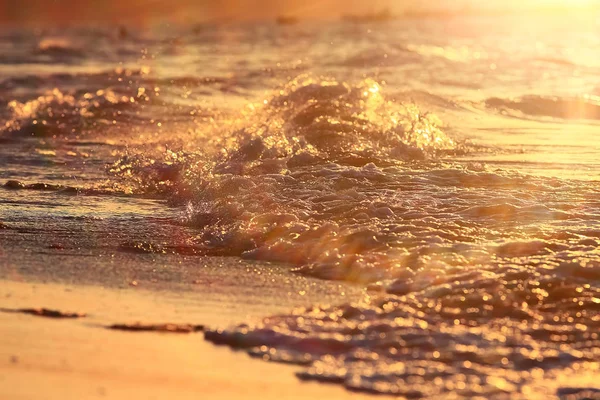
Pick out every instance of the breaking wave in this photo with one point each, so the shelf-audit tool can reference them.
(481, 283)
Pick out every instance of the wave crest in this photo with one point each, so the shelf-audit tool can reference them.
(330, 118)
(587, 107)
(56, 113)
(342, 184)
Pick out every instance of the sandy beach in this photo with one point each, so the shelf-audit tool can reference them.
(81, 359)
(75, 266)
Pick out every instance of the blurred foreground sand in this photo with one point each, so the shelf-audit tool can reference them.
(45, 358)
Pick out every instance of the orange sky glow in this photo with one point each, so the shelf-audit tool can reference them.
(139, 11)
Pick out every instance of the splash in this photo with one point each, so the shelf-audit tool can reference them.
(342, 184)
(56, 113)
(309, 121)
(294, 183)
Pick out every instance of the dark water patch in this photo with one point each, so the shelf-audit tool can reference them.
(17, 185)
(161, 328)
(71, 190)
(68, 190)
(44, 312)
(578, 394)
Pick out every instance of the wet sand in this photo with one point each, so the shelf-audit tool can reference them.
(80, 358)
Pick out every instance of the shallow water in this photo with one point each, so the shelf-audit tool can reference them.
(448, 166)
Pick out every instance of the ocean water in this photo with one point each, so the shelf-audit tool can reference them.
(449, 166)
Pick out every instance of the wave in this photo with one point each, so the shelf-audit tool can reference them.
(337, 181)
(480, 283)
(314, 120)
(555, 107)
(506, 331)
(60, 114)
(60, 48)
(127, 81)
(93, 103)
(64, 189)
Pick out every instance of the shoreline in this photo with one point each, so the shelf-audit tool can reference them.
(80, 359)
(76, 266)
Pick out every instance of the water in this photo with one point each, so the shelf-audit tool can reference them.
(450, 167)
